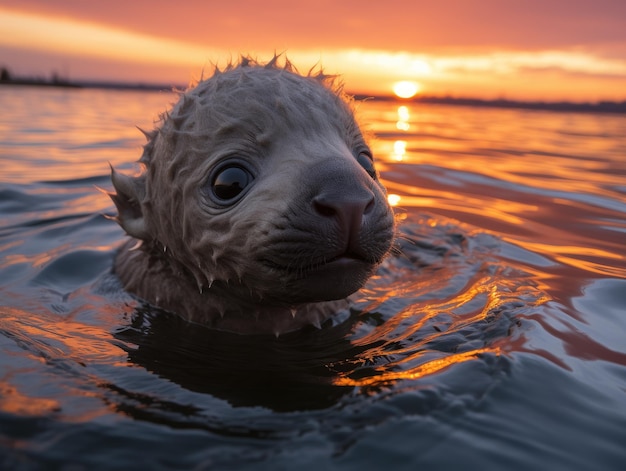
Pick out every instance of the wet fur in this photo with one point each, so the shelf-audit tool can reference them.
(251, 266)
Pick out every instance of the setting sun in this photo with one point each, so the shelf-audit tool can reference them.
(406, 88)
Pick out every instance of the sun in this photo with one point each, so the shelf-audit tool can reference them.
(406, 88)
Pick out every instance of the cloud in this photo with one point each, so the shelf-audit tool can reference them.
(512, 61)
(41, 33)
(483, 47)
(414, 25)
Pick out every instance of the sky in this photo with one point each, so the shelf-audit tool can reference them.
(549, 50)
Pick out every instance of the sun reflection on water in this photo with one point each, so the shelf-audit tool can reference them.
(403, 118)
(399, 151)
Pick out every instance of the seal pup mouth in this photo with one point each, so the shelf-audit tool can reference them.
(326, 279)
(346, 262)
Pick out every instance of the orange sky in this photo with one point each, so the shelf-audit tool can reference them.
(539, 50)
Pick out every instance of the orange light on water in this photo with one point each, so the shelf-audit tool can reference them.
(585, 258)
(13, 401)
(428, 368)
(72, 342)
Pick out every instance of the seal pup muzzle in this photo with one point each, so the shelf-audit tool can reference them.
(259, 209)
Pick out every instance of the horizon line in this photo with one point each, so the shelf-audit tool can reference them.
(603, 106)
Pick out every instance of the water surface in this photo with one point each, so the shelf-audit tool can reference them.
(494, 337)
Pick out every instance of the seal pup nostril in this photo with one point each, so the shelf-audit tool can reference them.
(347, 211)
(324, 208)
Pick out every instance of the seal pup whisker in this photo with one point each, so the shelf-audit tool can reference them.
(137, 246)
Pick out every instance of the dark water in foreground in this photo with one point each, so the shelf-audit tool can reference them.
(495, 340)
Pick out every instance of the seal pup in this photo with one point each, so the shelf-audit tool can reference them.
(259, 208)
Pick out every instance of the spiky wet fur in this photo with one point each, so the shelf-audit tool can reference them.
(194, 257)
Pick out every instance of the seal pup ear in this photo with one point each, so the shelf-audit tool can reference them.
(131, 192)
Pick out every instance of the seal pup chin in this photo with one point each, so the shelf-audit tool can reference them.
(259, 208)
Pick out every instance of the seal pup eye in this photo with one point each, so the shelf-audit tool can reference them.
(367, 162)
(229, 182)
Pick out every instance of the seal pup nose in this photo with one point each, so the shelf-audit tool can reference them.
(348, 210)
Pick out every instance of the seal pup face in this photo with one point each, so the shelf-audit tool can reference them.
(259, 189)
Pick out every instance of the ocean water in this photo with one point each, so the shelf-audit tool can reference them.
(495, 338)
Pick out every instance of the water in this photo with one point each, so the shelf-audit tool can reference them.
(494, 338)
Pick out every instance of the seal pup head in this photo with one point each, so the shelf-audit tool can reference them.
(259, 202)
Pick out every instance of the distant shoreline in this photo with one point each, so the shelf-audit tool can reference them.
(89, 84)
(614, 107)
